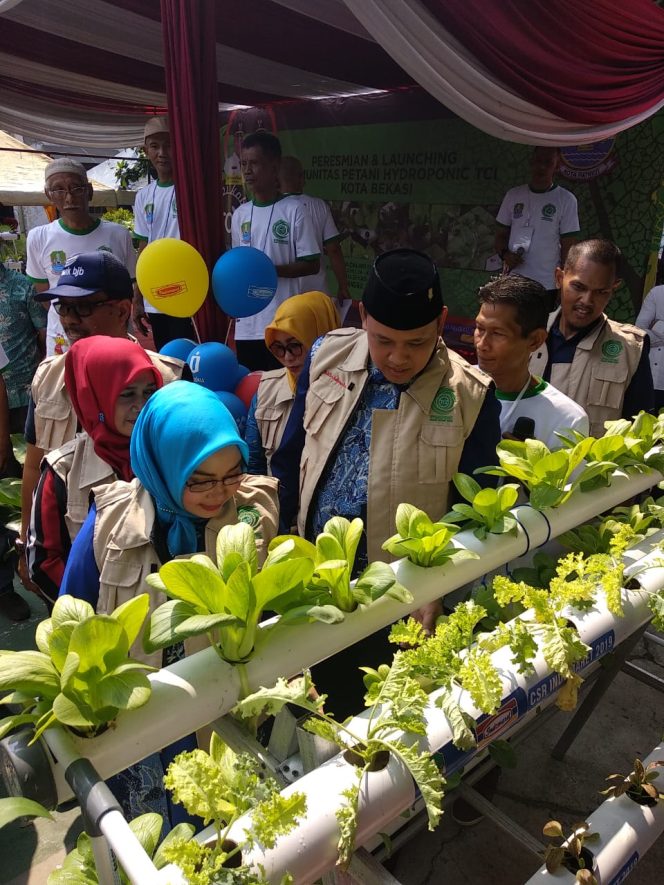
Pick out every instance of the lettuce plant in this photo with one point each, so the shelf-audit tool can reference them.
(396, 706)
(329, 594)
(14, 807)
(573, 855)
(638, 783)
(225, 601)
(487, 510)
(82, 675)
(424, 542)
(550, 477)
(220, 786)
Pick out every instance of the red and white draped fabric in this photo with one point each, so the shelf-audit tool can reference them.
(535, 72)
(87, 72)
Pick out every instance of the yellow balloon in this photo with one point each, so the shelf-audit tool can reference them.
(173, 277)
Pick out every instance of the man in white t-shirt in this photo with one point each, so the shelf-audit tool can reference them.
(291, 177)
(537, 223)
(155, 218)
(50, 246)
(279, 226)
(509, 328)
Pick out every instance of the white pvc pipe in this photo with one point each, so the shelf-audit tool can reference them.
(626, 830)
(128, 850)
(317, 833)
(199, 689)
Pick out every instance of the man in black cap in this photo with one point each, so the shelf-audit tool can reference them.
(386, 414)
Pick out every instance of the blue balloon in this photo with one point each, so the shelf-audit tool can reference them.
(214, 366)
(180, 348)
(244, 281)
(235, 406)
(242, 372)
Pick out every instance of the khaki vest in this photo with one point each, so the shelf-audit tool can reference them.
(81, 469)
(55, 419)
(273, 406)
(604, 364)
(415, 449)
(125, 555)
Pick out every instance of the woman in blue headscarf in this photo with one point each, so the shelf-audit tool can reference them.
(189, 460)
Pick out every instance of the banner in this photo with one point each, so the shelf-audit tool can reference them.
(400, 170)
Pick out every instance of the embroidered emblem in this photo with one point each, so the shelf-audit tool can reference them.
(249, 514)
(611, 350)
(443, 405)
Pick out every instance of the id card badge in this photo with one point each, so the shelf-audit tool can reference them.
(521, 239)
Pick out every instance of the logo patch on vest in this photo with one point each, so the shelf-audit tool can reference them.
(611, 350)
(548, 211)
(249, 514)
(443, 405)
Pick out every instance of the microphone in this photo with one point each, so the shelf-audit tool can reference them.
(524, 428)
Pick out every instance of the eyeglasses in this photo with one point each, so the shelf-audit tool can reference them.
(280, 350)
(206, 485)
(61, 192)
(80, 310)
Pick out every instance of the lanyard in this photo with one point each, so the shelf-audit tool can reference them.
(267, 230)
(154, 214)
(516, 402)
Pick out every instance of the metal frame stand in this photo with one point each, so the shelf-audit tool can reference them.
(612, 664)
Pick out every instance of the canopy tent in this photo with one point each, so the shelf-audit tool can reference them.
(87, 72)
(22, 178)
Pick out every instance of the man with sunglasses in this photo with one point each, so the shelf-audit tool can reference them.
(75, 231)
(93, 297)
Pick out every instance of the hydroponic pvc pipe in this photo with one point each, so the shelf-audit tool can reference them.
(310, 850)
(199, 689)
(128, 850)
(626, 831)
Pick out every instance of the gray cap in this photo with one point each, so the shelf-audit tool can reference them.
(154, 125)
(65, 164)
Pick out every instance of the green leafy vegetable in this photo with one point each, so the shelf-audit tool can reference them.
(550, 477)
(220, 786)
(226, 601)
(397, 705)
(329, 595)
(15, 807)
(488, 510)
(422, 541)
(82, 675)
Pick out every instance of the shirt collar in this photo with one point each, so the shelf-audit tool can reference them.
(575, 339)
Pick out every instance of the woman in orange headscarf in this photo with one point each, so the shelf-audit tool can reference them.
(298, 322)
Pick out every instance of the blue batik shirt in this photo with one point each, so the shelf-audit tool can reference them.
(342, 490)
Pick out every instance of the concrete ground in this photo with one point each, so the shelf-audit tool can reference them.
(629, 722)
